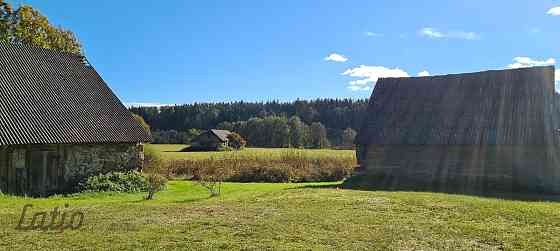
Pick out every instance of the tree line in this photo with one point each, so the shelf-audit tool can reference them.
(317, 123)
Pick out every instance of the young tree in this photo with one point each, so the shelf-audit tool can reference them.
(319, 135)
(297, 132)
(348, 136)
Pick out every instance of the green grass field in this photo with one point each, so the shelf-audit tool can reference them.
(288, 217)
(171, 152)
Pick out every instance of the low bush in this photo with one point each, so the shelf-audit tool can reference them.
(127, 182)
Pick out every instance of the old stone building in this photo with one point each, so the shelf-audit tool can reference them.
(485, 132)
(60, 123)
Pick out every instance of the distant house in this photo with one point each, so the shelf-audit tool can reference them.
(60, 123)
(485, 132)
(211, 140)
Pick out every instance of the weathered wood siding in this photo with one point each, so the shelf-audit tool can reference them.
(457, 168)
(3, 170)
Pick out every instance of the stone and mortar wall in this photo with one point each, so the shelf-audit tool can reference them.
(82, 161)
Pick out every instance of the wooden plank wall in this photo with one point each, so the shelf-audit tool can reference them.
(3, 170)
(471, 169)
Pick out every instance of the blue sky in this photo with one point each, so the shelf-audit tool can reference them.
(173, 52)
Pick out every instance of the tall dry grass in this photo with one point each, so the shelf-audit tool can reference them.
(292, 166)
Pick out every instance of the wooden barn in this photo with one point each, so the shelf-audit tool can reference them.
(485, 132)
(211, 140)
(59, 123)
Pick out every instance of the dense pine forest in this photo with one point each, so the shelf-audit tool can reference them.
(316, 123)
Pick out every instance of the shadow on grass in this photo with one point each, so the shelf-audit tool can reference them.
(389, 184)
(315, 186)
(526, 197)
(190, 200)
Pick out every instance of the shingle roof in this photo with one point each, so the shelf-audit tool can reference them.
(49, 97)
(221, 134)
(506, 107)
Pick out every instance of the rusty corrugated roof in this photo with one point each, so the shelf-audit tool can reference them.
(49, 97)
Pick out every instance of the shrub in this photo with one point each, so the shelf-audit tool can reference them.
(127, 182)
(211, 177)
(156, 183)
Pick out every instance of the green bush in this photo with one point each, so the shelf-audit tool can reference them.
(124, 182)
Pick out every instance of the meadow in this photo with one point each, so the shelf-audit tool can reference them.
(310, 216)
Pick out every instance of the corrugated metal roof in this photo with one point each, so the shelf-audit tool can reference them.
(49, 97)
(505, 107)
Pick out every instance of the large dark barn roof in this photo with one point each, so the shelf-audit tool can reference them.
(49, 97)
(505, 107)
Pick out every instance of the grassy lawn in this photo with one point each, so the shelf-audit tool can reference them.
(288, 217)
(171, 152)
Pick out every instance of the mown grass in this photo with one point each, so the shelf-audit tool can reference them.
(171, 152)
(308, 216)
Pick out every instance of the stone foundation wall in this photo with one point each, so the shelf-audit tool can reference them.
(82, 161)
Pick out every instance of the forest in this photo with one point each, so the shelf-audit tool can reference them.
(316, 123)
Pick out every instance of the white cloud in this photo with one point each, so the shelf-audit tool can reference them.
(369, 76)
(433, 33)
(336, 57)
(554, 11)
(373, 34)
(423, 74)
(520, 62)
(144, 104)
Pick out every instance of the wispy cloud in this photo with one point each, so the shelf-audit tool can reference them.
(336, 58)
(431, 33)
(436, 34)
(372, 34)
(554, 11)
(520, 62)
(144, 104)
(423, 74)
(369, 76)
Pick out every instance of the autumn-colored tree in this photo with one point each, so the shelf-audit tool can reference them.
(28, 26)
(236, 141)
(142, 122)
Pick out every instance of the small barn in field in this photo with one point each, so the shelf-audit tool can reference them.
(60, 123)
(210, 140)
(485, 132)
